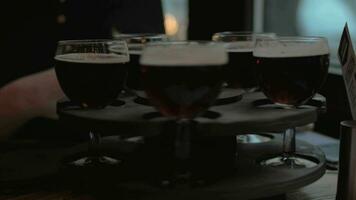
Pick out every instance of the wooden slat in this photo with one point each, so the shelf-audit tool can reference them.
(247, 115)
(48, 196)
(323, 189)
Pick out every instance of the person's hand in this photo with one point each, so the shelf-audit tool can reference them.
(41, 92)
(32, 96)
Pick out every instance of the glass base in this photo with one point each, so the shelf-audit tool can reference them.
(95, 161)
(291, 162)
(253, 138)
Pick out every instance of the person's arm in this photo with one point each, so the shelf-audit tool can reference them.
(26, 98)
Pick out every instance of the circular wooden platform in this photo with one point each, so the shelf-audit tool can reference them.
(251, 114)
(249, 180)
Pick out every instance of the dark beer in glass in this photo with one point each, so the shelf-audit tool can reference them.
(136, 42)
(240, 73)
(292, 80)
(92, 77)
(183, 80)
(91, 80)
(291, 71)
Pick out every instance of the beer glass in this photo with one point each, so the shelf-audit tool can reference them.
(182, 80)
(136, 43)
(291, 70)
(92, 76)
(240, 73)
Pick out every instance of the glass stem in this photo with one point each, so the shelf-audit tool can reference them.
(289, 143)
(183, 139)
(95, 140)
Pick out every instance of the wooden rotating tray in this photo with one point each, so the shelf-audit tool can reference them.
(248, 181)
(250, 114)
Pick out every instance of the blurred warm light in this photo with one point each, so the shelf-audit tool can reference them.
(171, 24)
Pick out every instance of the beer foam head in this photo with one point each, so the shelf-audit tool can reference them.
(140, 37)
(93, 58)
(135, 49)
(189, 54)
(137, 41)
(291, 48)
(240, 46)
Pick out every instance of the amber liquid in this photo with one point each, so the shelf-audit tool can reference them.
(240, 73)
(134, 81)
(93, 85)
(292, 80)
(182, 91)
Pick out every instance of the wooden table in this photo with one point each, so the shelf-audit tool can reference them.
(324, 189)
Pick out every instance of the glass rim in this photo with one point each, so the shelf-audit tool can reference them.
(242, 33)
(125, 36)
(90, 41)
(185, 42)
(291, 46)
(294, 38)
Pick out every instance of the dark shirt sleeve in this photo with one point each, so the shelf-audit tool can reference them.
(138, 16)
